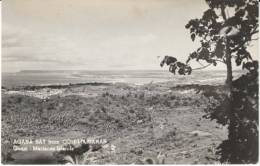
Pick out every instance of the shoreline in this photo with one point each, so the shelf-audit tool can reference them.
(53, 86)
(46, 91)
(37, 81)
(74, 85)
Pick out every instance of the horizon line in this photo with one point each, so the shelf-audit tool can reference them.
(61, 70)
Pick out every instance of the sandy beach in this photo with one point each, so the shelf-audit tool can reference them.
(138, 121)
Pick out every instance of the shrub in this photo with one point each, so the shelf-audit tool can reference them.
(240, 113)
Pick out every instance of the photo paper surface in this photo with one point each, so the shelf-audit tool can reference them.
(129, 82)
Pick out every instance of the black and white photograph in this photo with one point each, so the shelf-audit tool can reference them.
(129, 82)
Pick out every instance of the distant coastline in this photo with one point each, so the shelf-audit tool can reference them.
(127, 70)
(32, 79)
(54, 86)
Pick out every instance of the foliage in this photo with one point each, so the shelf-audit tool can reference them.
(242, 143)
(225, 31)
(176, 65)
(215, 28)
(211, 29)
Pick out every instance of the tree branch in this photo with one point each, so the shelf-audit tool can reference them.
(213, 60)
(199, 68)
(200, 63)
(254, 32)
(218, 60)
(223, 12)
(203, 67)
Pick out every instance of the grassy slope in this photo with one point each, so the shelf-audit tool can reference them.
(139, 121)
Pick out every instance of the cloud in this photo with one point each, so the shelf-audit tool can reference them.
(19, 45)
(10, 36)
(11, 42)
(89, 34)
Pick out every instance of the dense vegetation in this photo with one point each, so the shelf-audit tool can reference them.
(225, 31)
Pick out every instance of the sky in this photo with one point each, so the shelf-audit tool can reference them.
(96, 35)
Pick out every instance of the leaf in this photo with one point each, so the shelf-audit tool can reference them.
(205, 44)
(187, 26)
(243, 54)
(192, 36)
(209, 15)
(214, 3)
(238, 60)
(250, 66)
(240, 13)
(181, 71)
(219, 50)
(193, 55)
(233, 21)
(204, 53)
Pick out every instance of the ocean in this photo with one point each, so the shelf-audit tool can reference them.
(137, 77)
